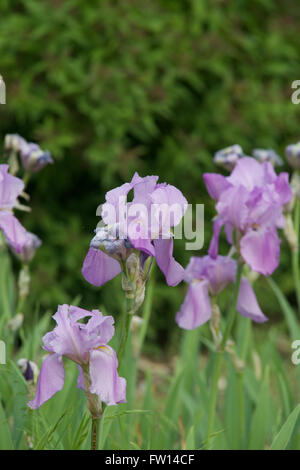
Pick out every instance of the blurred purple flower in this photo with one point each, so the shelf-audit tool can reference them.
(250, 203)
(208, 277)
(292, 152)
(32, 156)
(154, 210)
(32, 243)
(10, 189)
(228, 157)
(86, 345)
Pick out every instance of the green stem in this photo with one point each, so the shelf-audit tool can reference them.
(220, 354)
(126, 327)
(94, 435)
(147, 309)
(295, 255)
(26, 178)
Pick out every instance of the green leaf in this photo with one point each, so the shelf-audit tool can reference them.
(282, 439)
(287, 310)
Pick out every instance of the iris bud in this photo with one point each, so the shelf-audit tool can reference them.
(29, 369)
(267, 155)
(228, 156)
(293, 155)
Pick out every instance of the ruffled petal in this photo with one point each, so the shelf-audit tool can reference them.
(175, 203)
(249, 173)
(105, 381)
(247, 304)
(51, 380)
(99, 268)
(196, 308)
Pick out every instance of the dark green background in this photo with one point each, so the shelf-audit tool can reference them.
(110, 87)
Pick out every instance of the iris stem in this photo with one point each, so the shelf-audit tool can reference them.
(147, 308)
(295, 255)
(126, 327)
(94, 436)
(220, 354)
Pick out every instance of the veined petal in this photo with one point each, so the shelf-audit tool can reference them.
(196, 308)
(172, 270)
(247, 304)
(99, 268)
(51, 380)
(105, 381)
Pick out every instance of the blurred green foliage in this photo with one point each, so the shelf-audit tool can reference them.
(157, 86)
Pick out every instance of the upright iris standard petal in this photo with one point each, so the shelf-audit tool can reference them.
(105, 381)
(101, 326)
(247, 304)
(249, 173)
(173, 199)
(260, 250)
(51, 380)
(67, 338)
(215, 184)
(172, 270)
(99, 268)
(196, 308)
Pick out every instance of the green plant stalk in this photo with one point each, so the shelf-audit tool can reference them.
(220, 354)
(241, 406)
(147, 309)
(94, 435)
(295, 256)
(126, 327)
(240, 378)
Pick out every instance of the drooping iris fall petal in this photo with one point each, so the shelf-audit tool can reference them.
(247, 304)
(51, 380)
(196, 308)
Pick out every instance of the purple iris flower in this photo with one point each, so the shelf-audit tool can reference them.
(32, 156)
(249, 204)
(10, 189)
(33, 242)
(145, 228)
(207, 277)
(86, 345)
